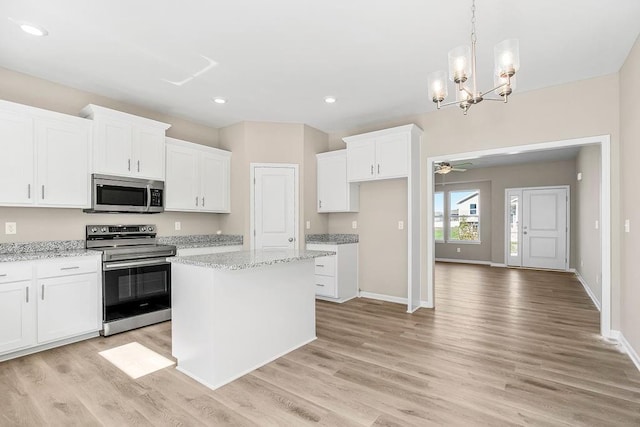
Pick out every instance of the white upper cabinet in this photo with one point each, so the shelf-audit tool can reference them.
(45, 159)
(126, 145)
(382, 154)
(197, 178)
(335, 194)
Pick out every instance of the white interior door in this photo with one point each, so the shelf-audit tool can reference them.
(275, 207)
(545, 228)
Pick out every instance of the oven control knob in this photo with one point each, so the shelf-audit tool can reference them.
(150, 228)
(94, 230)
(143, 229)
(103, 229)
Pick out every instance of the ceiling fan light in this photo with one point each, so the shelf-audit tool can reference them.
(506, 55)
(460, 64)
(437, 82)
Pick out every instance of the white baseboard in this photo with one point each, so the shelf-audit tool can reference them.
(495, 264)
(633, 355)
(426, 304)
(588, 291)
(463, 261)
(382, 297)
(614, 335)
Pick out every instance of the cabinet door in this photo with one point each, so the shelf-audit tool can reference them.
(63, 163)
(16, 159)
(392, 155)
(112, 141)
(361, 157)
(182, 179)
(214, 175)
(332, 184)
(17, 316)
(148, 153)
(67, 306)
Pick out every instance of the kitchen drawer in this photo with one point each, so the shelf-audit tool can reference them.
(326, 286)
(14, 272)
(66, 267)
(326, 265)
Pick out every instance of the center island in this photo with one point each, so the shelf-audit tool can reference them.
(233, 312)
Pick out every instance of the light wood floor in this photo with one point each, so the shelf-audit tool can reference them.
(503, 347)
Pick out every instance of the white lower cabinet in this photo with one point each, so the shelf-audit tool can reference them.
(17, 307)
(337, 275)
(45, 302)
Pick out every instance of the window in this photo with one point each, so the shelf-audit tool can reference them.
(464, 216)
(438, 216)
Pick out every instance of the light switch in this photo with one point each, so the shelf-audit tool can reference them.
(400, 225)
(579, 176)
(597, 224)
(178, 225)
(458, 250)
(10, 228)
(354, 224)
(627, 226)
(308, 225)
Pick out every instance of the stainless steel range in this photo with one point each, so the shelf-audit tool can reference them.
(136, 277)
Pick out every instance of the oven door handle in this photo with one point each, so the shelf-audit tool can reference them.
(148, 197)
(117, 265)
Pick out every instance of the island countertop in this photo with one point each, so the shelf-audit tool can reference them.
(248, 259)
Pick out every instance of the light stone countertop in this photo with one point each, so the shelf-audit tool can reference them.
(33, 251)
(331, 239)
(248, 259)
(201, 240)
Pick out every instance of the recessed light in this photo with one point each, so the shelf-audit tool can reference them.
(330, 99)
(219, 100)
(29, 28)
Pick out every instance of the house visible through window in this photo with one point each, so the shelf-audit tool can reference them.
(464, 216)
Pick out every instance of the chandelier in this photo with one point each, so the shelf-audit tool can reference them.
(462, 67)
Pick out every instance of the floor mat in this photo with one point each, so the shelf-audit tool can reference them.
(135, 359)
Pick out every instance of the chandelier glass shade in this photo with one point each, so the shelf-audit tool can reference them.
(462, 72)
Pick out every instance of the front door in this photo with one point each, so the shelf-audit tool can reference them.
(537, 227)
(275, 207)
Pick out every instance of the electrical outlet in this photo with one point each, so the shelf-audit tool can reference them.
(354, 224)
(597, 224)
(178, 225)
(10, 228)
(579, 176)
(581, 263)
(627, 226)
(308, 225)
(458, 250)
(400, 225)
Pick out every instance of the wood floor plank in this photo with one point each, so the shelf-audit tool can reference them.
(503, 347)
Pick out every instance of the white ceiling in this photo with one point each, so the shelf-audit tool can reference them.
(278, 59)
(540, 156)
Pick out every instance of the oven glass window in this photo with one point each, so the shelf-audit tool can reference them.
(121, 196)
(153, 281)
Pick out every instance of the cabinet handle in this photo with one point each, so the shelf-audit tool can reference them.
(70, 268)
(3, 275)
(319, 265)
(371, 169)
(203, 201)
(320, 204)
(318, 284)
(138, 165)
(378, 168)
(28, 191)
(43, 192)
(129, 165)
(42, 293)
(27, 294)
(196, 200)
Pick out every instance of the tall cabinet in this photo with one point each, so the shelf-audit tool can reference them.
(335, 194)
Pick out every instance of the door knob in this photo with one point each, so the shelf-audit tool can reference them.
(290, 239)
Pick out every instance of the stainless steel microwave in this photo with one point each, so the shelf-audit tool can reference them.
(127, 195)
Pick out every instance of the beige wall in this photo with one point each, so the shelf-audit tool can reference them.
(630, 154)
(35, 224)
(588, 251)
(382, 252)
(261, 142)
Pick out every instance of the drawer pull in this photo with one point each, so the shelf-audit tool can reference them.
(70, 268)
(319, 265)
(42, 293)
(3, 275)
(318, 284)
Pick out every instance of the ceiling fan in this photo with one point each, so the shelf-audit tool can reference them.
(444, 168)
